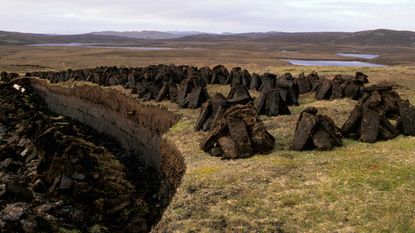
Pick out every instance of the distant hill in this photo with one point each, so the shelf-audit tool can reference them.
(372, 37)
(29, 38)
(150, 35)
(381, 36)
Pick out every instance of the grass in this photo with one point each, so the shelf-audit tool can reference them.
(355, 188)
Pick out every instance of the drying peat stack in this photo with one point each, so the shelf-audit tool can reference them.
(277, 95)
(271, 103)
(370, 120)
(155, 82)
(239, 95)
(206, 74)
(269, 81)
(316, 132)
(307, 83)
(216, 106)
(255, 82)
(238, 134)
(56, 175)
(7, 77)
(342, 86)
(238, 77)
(289, 90)
(220, 75)
(192, 93)
(211, 111)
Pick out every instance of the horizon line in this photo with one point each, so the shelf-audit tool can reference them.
(202, 32)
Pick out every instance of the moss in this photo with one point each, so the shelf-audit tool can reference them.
(183, 125)
(204, 171)
(64, 230)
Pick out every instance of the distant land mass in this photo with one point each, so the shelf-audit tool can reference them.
(151, 35)
(370, 37)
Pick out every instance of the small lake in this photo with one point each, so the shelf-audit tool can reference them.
(358, 55)
(59, 45)
(102, 46)
(332, 63)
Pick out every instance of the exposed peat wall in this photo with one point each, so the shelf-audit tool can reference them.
(137, 126)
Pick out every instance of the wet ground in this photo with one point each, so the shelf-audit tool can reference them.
(332, 63)
(359, 55)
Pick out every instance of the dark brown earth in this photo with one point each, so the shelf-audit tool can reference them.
(57, 174)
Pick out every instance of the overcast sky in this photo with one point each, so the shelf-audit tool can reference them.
(81, 16)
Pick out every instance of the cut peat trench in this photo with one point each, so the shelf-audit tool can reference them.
(138, 127)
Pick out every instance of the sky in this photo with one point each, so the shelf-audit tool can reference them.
(214, 16)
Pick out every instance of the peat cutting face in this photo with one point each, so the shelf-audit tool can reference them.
(59, 174)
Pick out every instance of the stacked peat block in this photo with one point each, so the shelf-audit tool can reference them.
(238, 77)
(169, 89)
(271, 103)
(192, 92)
(146, 82)
(206, 74)
(219, 75)
(372, 119)
(276, 95)
(268, 81)
(105, 76)
(289, 90)
(211, 111)
(216, 106)
(7, 77)
(307, 83)
(255, 82)
(153, 82)
(239, 95)
(239, 82)
(342, 86)
(157, 82)
(316, 132)
(238, 134)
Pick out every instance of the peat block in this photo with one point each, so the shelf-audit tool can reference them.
(371, 120)
(239, 134)
(271, 103)
(315, 132)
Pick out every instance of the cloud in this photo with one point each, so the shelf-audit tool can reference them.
(76, 16)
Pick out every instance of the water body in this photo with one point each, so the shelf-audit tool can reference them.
(332, 63)
(358, 55)
(59, 45)
(102, 46)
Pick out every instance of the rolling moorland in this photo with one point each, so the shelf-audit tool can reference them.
(359, 187)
